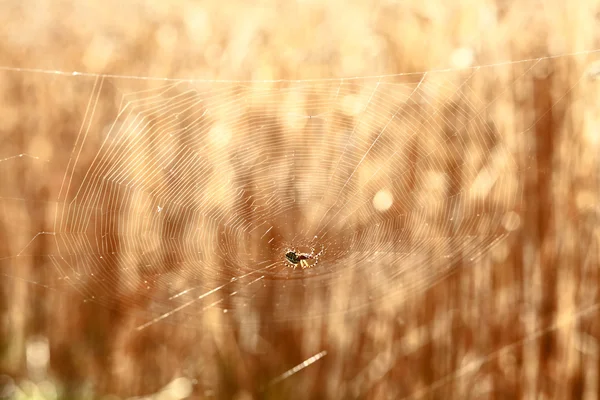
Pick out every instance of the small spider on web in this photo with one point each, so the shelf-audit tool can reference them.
(295, 258)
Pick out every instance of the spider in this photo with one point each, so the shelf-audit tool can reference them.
(294, 257)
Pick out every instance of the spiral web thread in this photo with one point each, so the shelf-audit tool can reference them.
(180, 198)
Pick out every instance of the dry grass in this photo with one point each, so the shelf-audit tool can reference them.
(108, 237)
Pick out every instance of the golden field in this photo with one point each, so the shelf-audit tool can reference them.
(434, 162)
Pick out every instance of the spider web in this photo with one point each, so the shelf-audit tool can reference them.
(180, 198)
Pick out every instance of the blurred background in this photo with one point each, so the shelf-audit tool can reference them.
(158, 159)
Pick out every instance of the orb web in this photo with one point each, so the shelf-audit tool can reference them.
(181, 198)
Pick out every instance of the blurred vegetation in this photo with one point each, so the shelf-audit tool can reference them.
(521, 321)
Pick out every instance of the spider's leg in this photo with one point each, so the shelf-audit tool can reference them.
(303, 264)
